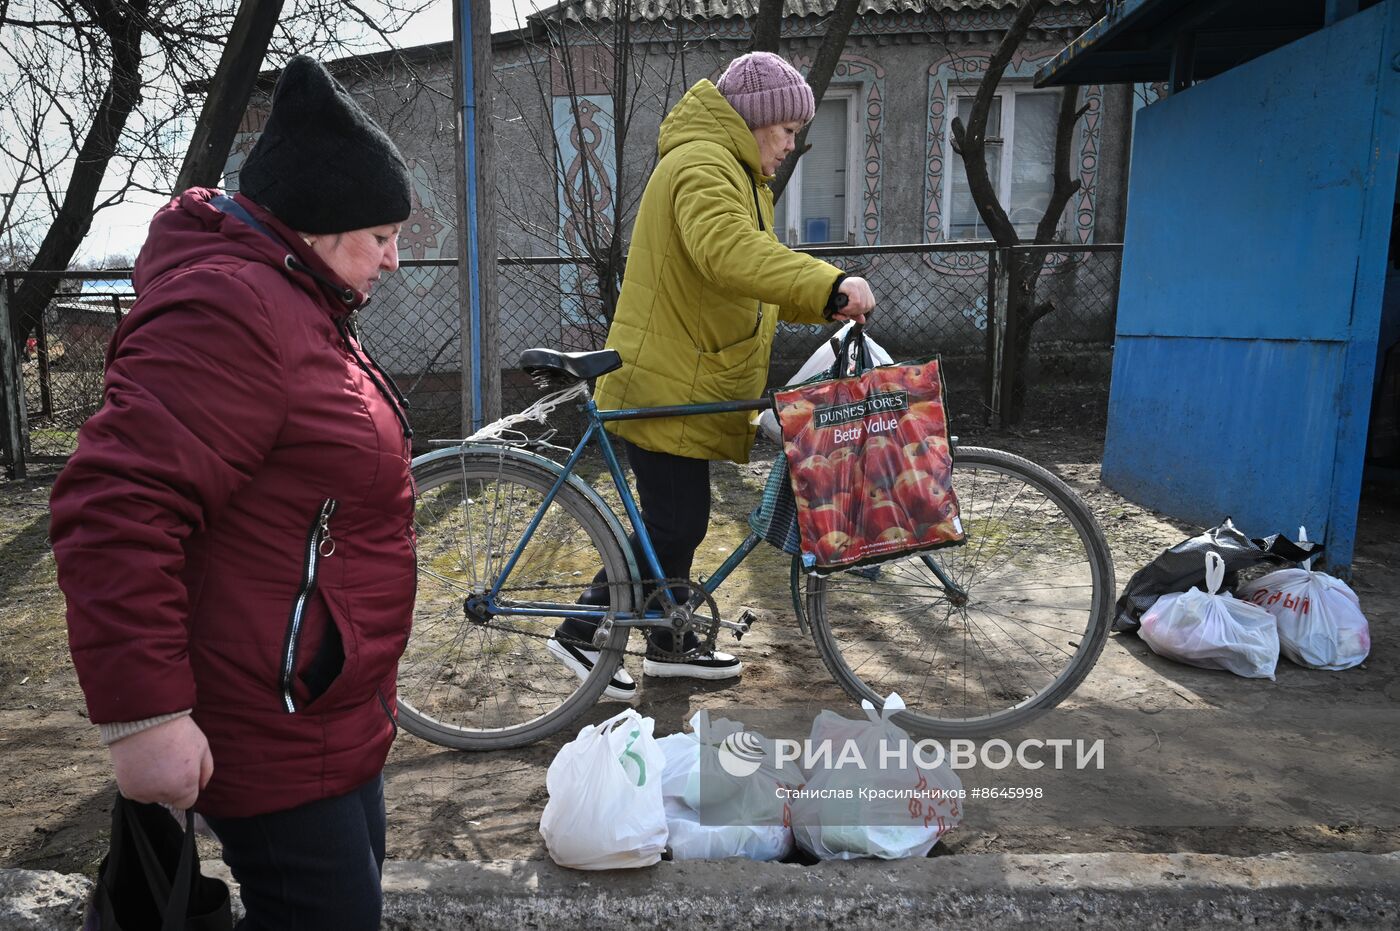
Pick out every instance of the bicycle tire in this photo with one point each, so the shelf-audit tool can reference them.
(472, 508)
(894, 628)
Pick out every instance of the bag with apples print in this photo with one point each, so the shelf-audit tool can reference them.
(870, 463)
(775, 517)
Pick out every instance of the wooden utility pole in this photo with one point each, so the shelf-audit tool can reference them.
(229, 93)
(476, 215)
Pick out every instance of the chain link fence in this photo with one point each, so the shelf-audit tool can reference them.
(57, 370)
(932, 299)
(413, 328)
(938, 298)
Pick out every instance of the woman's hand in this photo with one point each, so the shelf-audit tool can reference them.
(168, 763)
(860, 300)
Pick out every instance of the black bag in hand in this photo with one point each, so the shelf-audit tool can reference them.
(150, 877)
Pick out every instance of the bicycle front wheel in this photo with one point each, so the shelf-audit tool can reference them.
(1018, 629)
(476, 678)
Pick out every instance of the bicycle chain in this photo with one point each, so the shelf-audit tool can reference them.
(708, 641)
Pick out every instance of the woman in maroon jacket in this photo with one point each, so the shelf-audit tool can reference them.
(234, 534)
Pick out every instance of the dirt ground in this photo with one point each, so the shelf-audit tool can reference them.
(1199, 761)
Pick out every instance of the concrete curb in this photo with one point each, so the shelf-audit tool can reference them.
(1007, 893)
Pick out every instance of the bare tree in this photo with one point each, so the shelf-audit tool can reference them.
(574, 60)
(103, 81)
(1023, 268)
(228, 94)
(591, 186)
(767, 27)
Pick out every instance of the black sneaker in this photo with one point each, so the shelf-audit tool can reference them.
(714, 665)
(621, 687)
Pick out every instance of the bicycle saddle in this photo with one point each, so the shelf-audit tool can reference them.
(577, 364)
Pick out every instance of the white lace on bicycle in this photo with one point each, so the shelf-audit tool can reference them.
(505, 429)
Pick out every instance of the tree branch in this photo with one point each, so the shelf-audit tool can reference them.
(838, 29)
(1038, 311)
(970, 140)
(767, 26)
(1064, 187)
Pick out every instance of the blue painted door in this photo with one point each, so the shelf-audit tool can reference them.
(1253, 269)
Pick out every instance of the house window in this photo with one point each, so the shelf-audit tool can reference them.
(1023, 124)
(817, 205)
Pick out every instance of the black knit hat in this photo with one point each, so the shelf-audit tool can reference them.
(321, 164)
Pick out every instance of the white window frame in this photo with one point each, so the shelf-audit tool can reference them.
(789, 213)
(1007, 92)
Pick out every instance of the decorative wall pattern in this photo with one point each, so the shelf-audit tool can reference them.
(872, 97)
(1083, 204)
(964, 67)
(424, 232)
(1144, 95)
(587, 178)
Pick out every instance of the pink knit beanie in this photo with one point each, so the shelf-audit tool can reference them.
(764, 89)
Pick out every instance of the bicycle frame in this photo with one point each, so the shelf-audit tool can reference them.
(710, 584)
(595, 431)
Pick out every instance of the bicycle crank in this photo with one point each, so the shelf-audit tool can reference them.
(681, 619)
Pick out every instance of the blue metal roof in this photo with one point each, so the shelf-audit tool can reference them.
(1137, 40)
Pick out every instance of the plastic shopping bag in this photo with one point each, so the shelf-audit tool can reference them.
(605, 810)
(689, 839)
(744, 815)
(819, 365)
(1319, 617)
(1213, 631)
(871, 466)
(1181, 567)
(876, 797)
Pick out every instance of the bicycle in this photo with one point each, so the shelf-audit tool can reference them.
(976, 638)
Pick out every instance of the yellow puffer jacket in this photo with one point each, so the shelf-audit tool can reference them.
(705, 287)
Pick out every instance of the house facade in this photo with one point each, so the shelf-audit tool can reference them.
(578, 98)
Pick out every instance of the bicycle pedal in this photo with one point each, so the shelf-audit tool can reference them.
(745, 622)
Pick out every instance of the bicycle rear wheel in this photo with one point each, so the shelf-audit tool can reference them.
(485, 680)
(1036, 590)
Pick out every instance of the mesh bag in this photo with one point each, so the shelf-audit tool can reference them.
(775, 518)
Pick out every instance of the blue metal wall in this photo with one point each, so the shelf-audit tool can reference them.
(1253, 268)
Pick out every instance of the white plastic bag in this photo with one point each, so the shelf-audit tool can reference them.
(818, 363)
(605, 810)
(691, 840)
(1213, 631)
(752, 809)
(914, 805)
(1319, 617)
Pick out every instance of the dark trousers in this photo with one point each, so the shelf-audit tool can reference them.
(674, 495)
(311, 867)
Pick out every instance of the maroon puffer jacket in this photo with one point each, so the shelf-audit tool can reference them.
(234, 533)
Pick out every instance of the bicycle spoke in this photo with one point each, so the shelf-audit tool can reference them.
(475, 675)
(1028, 615)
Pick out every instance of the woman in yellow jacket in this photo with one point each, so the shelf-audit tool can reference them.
(707, 282)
